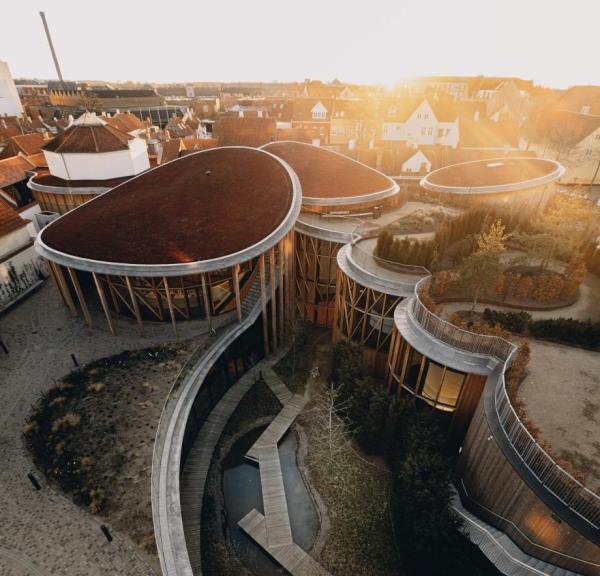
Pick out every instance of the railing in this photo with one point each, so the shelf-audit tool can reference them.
(367, 259)
(551, 476)
(456, 337)
(555, 479)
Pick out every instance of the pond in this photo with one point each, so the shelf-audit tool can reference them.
(242, 493)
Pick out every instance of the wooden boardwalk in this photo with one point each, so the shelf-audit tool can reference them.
(276, 385)
(273, 531)
(279, 426)
(295, 560)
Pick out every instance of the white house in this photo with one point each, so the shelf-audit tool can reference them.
(21, 269)
(424, 126)
(92, 150)
(10, 104)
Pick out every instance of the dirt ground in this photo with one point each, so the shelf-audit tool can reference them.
(114, 406)
(562, 397)
(355, 492)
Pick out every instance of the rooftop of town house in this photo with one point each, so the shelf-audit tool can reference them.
(200, 207)
(481, 174)
(326, 175)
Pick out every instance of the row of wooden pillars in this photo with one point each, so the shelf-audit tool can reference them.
(275, 277)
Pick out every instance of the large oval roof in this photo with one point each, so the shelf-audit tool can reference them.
(329, 178)
(493, 175)
(204, 211)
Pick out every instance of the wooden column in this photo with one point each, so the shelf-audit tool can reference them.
(55, 282)
(263, 301)
(134, 302)
(338, 304)
(62, 282)
(273, 297)
(104, 303)
(206, 299)
(80, 297)
(290, 287)
(236, 289)
(170, 305)
(280, 301)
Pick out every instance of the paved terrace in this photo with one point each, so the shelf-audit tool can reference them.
(340, 228)
(44, 532)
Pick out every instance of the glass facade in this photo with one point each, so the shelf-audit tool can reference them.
(410, 371)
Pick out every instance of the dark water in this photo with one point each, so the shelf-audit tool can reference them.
(242, 493)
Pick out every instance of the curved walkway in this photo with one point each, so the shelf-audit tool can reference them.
(197, 465)
(587, 305)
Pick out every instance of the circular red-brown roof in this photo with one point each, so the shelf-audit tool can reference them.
(493, 175)
(203, 207)
(330, 178)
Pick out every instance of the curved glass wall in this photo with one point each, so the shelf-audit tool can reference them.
(435, 384)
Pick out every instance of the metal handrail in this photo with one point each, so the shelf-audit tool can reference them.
(553, 477)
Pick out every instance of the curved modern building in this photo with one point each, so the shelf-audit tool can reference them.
(89, 158)
(529, 511)
(187, 239)
(368, 291)
(338, 194)
(523, 182)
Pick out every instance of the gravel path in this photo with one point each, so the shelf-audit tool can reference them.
(42, 532)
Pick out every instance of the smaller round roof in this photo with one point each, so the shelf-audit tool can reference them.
(329, 178)
(89, 134)
(493, 175)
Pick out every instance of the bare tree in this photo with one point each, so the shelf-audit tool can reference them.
(333, 426)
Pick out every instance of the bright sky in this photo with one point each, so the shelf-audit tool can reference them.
(553, 42)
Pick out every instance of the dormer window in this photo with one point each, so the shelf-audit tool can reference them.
(319, 112)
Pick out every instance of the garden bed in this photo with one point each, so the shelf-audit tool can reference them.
(93, 433)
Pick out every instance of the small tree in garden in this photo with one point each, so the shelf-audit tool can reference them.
(334, 427)
(481, 270)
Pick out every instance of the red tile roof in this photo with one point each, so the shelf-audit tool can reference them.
(200, 207)
(9, 219)
(88, 139)
(13, 170)
(170, 150)
(126, 122)
(27, 144)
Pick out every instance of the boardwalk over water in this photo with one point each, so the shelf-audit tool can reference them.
(273, 531)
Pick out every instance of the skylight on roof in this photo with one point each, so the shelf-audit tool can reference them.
(495, 164)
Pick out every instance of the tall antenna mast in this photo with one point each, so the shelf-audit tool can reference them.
(52, 48)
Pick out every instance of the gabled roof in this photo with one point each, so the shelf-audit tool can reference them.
(170, 150)
(566, 126)
(26, 144)
(9, 219)
(124, 121)
(578, 96)
(488, 134)
(87, 135)
(303, 108)
(13, 170)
